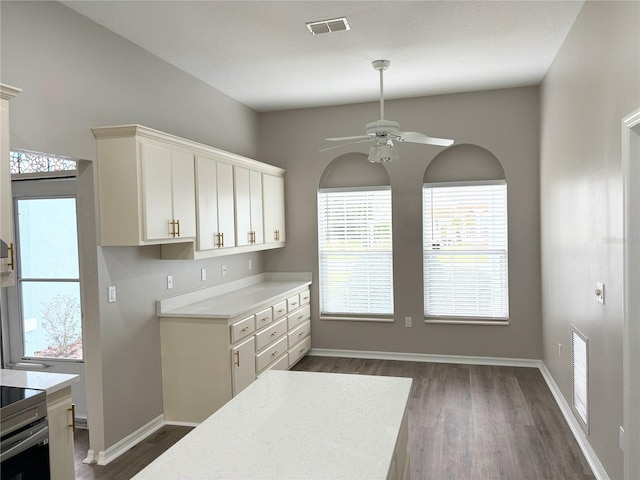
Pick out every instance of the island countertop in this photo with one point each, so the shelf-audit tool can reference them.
(293, 425)
(47, 381)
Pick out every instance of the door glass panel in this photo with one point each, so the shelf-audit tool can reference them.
(48, 277)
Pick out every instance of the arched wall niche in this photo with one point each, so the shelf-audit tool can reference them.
(465, 162)
(353, 170)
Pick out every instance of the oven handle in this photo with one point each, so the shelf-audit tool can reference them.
(28, 439)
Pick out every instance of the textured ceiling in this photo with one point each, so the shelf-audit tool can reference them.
(261, 53)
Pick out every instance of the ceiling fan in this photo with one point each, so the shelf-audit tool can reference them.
(383, 132)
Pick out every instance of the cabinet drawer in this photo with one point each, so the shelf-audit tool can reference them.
(270, 334)
(279, 310)
(298, 351)
(272, 353)
(241, 329)
(281, 364)
(264, 317)
(298, 317)
(299, 332)
(293, 302)
(305, 297)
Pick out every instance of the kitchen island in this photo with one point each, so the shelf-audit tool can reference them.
(298, 425)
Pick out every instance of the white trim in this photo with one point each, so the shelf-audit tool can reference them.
(576, 429)
(575, 425)
(631, 307)
(368, 188)
(423, 357)
(182, 424)
(347, 318)
(464, 183)
(103, 457)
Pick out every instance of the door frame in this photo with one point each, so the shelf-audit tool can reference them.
(631, 341)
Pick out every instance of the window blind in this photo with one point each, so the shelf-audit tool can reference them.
(355, 252)
(465, 250)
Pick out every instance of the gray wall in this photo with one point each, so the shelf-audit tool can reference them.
(505, 122)
(593, 83)
(76, 75)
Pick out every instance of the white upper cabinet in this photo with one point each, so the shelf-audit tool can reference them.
(248, 184)
(196, 201)
(216, 225)
(273, 202)
(7, 264)
(146, 188)
(168, 193)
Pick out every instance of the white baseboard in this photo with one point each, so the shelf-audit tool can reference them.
(103, 457)
(591, 457)
(422, 357)
(181, 424)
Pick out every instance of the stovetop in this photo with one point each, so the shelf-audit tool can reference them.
(14, 399)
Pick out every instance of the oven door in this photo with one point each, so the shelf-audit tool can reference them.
(25, 454)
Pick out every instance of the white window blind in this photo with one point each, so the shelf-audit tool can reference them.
(465, 250)
(355, 252)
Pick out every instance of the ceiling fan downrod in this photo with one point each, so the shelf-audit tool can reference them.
(381, 66)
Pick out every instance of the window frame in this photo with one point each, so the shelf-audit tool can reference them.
(353, 316)
(467, 319)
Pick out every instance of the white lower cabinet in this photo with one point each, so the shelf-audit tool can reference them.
(60, 418)
(207, 361)
(243, 365)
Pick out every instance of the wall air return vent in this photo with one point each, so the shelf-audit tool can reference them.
(580, 370)
(327, 26)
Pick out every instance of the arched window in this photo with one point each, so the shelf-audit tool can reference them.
(465, 246)
(355, 248)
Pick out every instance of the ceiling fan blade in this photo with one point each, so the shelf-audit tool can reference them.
(355, 137)
(415, 137)
(362, 140)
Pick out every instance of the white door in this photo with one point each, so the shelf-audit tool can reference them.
(183, 193)
(44, 307)
(207, 203)
(156, 184)
(226, 208)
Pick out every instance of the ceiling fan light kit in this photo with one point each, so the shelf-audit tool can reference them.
(383, 132)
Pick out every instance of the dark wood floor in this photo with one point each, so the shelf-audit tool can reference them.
(466, 422)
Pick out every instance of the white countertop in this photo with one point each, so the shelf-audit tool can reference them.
(38, 380)
(294, 425)
(226, 302)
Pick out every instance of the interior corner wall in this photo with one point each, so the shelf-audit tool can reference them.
(506, 123)
(76, 75)
(592, 84)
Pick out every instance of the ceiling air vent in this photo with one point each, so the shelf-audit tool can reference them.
(326, 26)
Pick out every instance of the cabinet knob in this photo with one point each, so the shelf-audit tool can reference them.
(237, 358)
(274, 353)
(11, 261)
(72, 409)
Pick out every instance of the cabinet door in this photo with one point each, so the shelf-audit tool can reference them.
(243, 365)
(273, 208)
(156, 188)
(7, 270)
(248, 196)
(255, 185)
(243, 207)
(278, 201)
(226, 213)
(183, 193)
(207, 203)
(60, 435)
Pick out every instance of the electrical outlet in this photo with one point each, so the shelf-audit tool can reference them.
(169, 281)
(203, 274)
(223, 270)
(112, 294)
(407, 322)
(559, 350)
(250, 264)
(600, 292)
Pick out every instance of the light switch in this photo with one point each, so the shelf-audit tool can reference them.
(600, 292)
(112, 294)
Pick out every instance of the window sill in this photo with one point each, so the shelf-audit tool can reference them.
(466, 321)
(358, 319)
